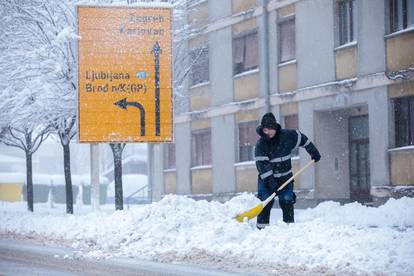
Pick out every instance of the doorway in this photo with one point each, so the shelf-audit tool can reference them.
(359, 167)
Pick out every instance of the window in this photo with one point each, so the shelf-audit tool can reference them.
(292, 122)
(404, 121)
(199, 65)
(401, 14)
(247, 140)
(245, 52)
(170, 157)
(346, 10)
(287, 44)
(201, 148)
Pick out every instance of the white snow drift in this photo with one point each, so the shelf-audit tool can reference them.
(350, 237)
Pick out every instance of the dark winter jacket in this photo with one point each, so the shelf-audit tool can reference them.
(273, 156)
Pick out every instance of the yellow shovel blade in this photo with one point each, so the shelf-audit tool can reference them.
(249, 214)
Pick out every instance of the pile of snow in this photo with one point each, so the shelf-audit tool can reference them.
(342, 238)
(397, 213)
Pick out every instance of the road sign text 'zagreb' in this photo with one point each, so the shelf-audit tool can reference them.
(124, 74)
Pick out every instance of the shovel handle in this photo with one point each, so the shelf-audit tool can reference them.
(295, 175)
(287, 182)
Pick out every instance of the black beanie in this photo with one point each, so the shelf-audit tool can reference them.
(269, 121)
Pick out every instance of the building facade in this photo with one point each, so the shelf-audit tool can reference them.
(340, 71)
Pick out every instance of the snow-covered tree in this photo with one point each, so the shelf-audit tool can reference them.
(24, 125)
(38, 40)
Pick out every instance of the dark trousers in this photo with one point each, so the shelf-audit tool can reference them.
(286, 200)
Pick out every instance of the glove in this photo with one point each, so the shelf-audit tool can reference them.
(313, 152)
(316, 156)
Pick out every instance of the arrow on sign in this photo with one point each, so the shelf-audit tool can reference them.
(156, 50)
(124, 103)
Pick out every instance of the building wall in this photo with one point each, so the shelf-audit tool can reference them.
(401, 159)
(183, 157)
(221, 66)
(332, 141)
(314, 42)
(242, 5)
(201, 181)
(246, 178)
(323, 105)
(246, 86)
(379, 126)
(273, 52)
(400, 54)
(218, 9)
(170, 182)
(402, 164)
(11, 191)
(306, 125)
(287, 77)
(346, 63)
(223, 150)
(370, 37)
(200, 97)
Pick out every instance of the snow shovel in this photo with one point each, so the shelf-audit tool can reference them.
(255, 211)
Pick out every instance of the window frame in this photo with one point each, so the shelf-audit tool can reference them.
(402, 128)
(199, 68)
(400, 12)
(346, 32)
(281, 21)
(249, 125)
(170, 165)
(196, 158)
(239, 68)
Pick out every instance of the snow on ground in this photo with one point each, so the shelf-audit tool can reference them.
(351, 238)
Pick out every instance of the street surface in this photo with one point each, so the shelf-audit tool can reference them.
(30, 258)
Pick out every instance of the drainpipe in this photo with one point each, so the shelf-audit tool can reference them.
(264, 54)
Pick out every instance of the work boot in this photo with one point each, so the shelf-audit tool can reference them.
(288, 213)
(261, 226)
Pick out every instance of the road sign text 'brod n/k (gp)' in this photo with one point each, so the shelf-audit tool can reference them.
(124, 74)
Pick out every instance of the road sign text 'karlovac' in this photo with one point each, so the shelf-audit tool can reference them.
(124, 74)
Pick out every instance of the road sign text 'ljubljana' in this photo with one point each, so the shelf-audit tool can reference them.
(124, 74)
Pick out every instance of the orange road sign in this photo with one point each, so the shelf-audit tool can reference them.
(124, 74)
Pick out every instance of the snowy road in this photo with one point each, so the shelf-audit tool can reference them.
(29, 258)
(329, 239)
